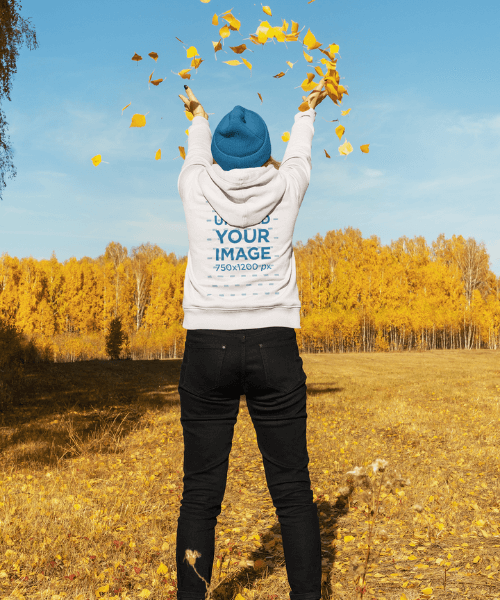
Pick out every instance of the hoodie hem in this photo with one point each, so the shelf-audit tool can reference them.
(243, 318)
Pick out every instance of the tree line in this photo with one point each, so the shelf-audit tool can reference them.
(356, 296)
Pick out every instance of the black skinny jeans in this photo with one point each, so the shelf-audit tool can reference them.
(264, 365)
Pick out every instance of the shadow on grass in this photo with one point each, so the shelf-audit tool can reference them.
(248, 577)
(90, 402)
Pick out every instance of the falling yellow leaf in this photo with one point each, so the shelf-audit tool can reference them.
(339, 130)
(136, 57)
(233, 21)
(156, 81)
(286, 136)
(215, 20)
(308, 57)
(238, 49)
(138, 121)
(158, 154)
(224, 32)
(96, 160)
(182, 152)
(327, 155)
(345, 149)
(304, 106)
(185, 74)
(279, 75)
(284, 27)
(196, 62)
(310, 41)
(307, 3)
(187, 132)
(365, 148)
(346, 112)
(249, 65)
(154, 56)
(319, 71)
(126, 107)
(179, 40)
(149, 80)
(267, 10)
(189, 115)
(217, 46)
(295, 27)
(260, 97)
(290, 64)
(233, 63)
(191, 51)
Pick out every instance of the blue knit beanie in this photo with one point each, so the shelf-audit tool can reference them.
(241, 140)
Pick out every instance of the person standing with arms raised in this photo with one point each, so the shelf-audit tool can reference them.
(241, 309)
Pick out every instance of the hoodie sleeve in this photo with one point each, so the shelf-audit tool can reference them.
(296, 164)
(199, 154)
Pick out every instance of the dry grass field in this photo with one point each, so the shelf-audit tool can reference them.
(91, 477)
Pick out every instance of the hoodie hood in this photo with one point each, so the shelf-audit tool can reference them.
(242, 197)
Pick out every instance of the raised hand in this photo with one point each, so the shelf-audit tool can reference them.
(317, 95)
(192, 105)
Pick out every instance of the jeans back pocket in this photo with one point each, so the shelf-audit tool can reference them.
(202, 366)
(282, 364)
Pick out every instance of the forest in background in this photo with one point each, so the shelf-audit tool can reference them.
(356, 296)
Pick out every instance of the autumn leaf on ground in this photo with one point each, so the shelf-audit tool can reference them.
(138, 121)
(191, 52)
(154, 56)
(257, 95)
(339, 130)
(346, 112)
(158, 154)
(345, 148)
(233, 63)
(182, 152)
(308, 57)
(286, 136)
(327, 155)
(136, 57)
(365, 148)
(310, 41)
(96, 160)
(224, 32)
(215, 20)
(238, 49)
(267, 10)
(126, 107)
(279, 75)
(248, 64)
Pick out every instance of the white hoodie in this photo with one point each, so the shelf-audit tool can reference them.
(241, 272)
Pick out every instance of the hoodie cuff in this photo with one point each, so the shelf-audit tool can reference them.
(309, 113)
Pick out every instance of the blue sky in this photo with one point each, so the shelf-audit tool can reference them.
(423, 88)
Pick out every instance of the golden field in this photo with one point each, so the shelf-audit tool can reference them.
(91, 478)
